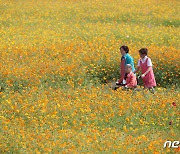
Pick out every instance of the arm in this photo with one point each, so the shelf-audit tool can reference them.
(149, 63)
(148, 70)
(137, 69)
(121, 79)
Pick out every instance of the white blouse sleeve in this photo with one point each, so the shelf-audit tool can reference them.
(149, 62)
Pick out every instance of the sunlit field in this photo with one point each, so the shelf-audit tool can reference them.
(58, 59)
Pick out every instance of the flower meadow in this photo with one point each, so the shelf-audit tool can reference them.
(58, 59)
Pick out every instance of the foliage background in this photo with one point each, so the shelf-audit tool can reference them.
(56, 60)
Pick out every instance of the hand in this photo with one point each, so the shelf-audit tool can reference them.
(118, 83)
(142, 76)
(139, 77)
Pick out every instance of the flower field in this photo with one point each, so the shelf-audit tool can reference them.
(57, 60)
